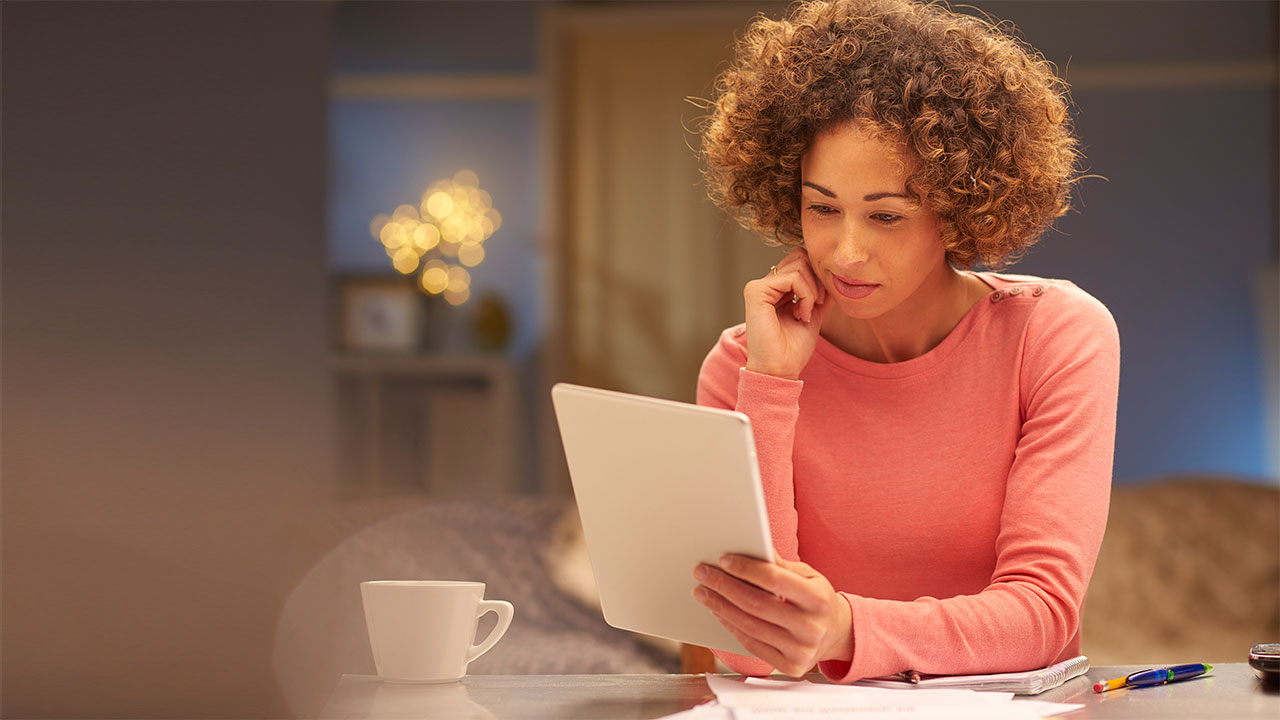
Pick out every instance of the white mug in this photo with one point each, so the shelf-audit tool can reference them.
(422, 631)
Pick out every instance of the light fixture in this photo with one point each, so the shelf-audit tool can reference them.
(449, 225)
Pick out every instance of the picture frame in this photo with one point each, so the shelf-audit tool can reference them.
(382, 313)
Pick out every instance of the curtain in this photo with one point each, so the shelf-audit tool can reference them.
(650, 270)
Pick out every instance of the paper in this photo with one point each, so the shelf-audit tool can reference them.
(706, 711)
(768, 699)
(1031, 682)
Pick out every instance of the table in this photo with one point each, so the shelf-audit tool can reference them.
(1231, 691)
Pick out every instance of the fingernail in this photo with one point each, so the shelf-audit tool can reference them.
(700, 593)
(700, 572)
(723, 562)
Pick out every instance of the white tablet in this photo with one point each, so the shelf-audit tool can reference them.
(661, 486)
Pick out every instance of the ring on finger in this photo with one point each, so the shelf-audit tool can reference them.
(773, 269)
(795, 298)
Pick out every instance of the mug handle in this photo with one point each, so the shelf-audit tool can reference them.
(504, 610)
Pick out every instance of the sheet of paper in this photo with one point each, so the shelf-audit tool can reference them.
(706, 711)
(932, 696)
(768, 699)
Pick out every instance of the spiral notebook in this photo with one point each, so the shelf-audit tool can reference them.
(1031, 682)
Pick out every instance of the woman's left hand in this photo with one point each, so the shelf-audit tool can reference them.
(786, 614)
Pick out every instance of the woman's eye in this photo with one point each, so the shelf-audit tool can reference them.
(886, 218)
(821, 209)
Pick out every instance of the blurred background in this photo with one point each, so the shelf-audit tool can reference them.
(277, 276)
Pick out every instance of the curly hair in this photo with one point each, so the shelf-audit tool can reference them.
(983, 114)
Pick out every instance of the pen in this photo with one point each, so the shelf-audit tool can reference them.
(1156, 676)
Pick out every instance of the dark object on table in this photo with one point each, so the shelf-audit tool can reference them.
(491, 324)
(1265, 661)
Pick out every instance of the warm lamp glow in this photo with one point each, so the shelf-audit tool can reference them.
(405, 260)
(435, 280)
(426, 236)
(393, 235)
(457, 298)
(440, 204)
(453, 220)
(451, 229)
(459, 279)
(471, 254)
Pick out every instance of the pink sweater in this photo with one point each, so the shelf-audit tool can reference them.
(957, 500)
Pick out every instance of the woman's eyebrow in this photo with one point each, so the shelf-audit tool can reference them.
(878, 196)
(868, 198)
(819, 188)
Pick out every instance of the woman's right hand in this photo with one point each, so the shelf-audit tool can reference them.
(784, 314)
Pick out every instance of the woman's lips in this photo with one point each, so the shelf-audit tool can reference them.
(855, 289)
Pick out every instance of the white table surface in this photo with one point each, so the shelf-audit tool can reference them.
(1230, 691)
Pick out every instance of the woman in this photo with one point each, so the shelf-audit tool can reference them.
(935, 443)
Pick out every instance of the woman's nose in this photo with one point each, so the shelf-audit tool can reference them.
(852, 249)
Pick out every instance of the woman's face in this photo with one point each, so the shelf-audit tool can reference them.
(869, 243)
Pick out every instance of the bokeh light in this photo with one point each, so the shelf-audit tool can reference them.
(457, 298)
(439, 205)
(471, 254)
(405, 260)
(452, 221)
(393, 235)
(459, 279)
(426, 236)
(435, 277)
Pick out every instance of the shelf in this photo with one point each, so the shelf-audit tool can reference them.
(442, 423)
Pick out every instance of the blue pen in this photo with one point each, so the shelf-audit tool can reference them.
(1157, 676)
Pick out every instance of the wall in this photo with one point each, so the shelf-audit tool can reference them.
(166, 408)
(468, 98)
(1176, 108)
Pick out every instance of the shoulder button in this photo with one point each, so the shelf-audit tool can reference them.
(1038, 291)
(1015, 291)
(997, 296)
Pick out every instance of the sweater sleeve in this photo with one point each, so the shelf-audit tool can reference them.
(773, 404)
(1051, 524)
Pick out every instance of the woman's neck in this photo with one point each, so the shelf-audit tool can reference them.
(915, 326)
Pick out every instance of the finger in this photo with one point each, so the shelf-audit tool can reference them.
(762, 650)
(761, 602)
(813, 273)
(774, 635)
(784, 658)
(789, 662)
(796, 634)
(778, 579)
(775, 290)
(803, 569)
(818, 295)
(820, 311)
(795, 284)
(753, 645)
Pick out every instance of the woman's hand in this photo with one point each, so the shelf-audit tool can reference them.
(786, 614)
(784, 313)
